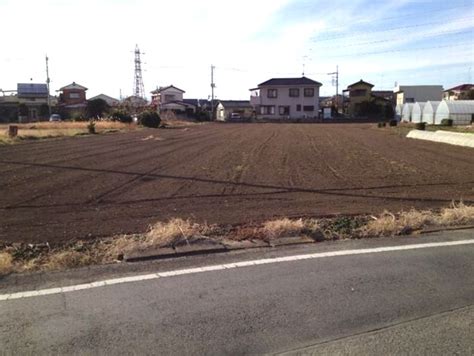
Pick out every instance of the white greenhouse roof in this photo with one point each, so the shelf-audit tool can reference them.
(458, 106)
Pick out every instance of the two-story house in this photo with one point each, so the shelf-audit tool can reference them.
(460, 92)
(286, 98)
(73, 95)
(357, 93)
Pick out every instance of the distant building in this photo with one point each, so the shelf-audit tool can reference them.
(108, 99)
(359, 96)
(169, 98)
(72, 100)
(460, 92)
(288, 98)
(413, 93)
(28, 103)
(357, 93)
(228, 109)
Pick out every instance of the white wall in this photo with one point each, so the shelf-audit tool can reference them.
(284, 99)
(419, 93)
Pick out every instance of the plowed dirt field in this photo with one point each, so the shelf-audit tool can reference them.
(87, 187)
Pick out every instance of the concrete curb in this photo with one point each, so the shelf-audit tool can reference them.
(210, 248)
(225, 245)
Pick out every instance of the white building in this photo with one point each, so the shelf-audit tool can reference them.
(406, 112)
(429, 112)
(421, 93)
(460, 111)
(286, 98)
(417, 112)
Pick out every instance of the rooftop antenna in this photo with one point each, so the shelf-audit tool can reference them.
(139, 89)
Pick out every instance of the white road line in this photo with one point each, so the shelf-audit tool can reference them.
(221, 267)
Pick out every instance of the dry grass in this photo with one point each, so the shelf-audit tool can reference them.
(6, 263)
(387, 224)
(175, 231)
(42, 130)
(169, 119)
(282, 227)
(67, 259)
(457, 214)
(178, 231)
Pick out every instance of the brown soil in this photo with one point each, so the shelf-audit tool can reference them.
(88, 187)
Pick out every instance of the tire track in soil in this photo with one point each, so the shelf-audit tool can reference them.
(287, 176)
(111, 166)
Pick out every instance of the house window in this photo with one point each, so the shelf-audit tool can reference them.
(284, 110)
(267, 110)
(272, 93)
(294, 92)
(308, 108)
(309, 92)
(358, 92)
(410, 100)
(169, 97)
(74, 96)
(298, 107)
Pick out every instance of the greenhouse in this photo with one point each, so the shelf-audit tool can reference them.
(429, 112)
(398, 111)
(406, 112)
(417, 112)
(460, 111)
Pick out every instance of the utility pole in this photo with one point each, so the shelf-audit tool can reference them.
(213, 85)
(47, 85)
(336, 78)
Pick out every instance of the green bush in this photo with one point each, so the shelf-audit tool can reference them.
(393, 122)
(122, 116)
(447, 122)
(149, 119)
(420, 126)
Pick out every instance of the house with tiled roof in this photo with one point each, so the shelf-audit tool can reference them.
(286, 98)
(460, 92)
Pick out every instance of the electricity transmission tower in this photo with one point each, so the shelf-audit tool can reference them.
(139, 89)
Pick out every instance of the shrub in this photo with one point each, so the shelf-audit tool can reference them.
(122, 116)
(149, 119)
(91, 127)
(420, 126)
(447, 122)
(393, 122)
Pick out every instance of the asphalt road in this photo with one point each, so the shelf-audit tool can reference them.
(416, 301)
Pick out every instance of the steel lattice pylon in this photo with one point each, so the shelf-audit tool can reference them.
(139, 89)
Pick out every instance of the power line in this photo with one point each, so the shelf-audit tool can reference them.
(399, 50)
(413, 14)
(315, 39)
(434, 34)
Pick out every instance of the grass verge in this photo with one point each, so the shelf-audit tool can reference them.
(42, 130)
(176, 232)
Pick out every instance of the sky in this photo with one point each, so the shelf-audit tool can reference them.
(92, 42)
